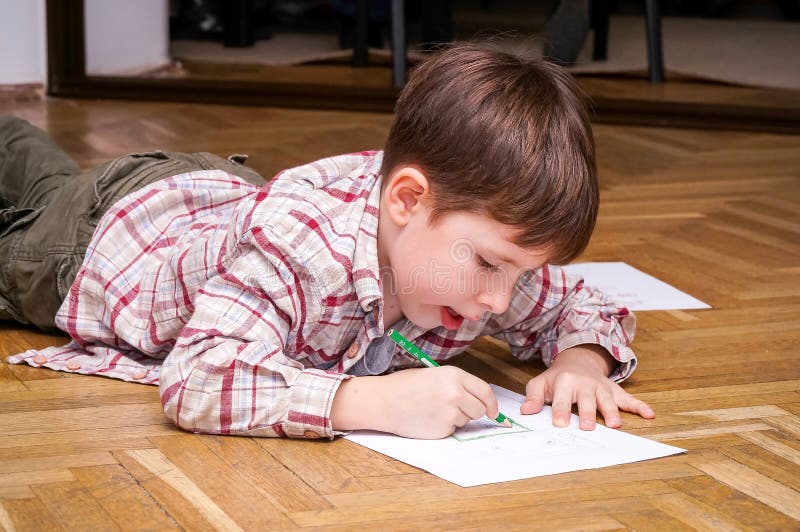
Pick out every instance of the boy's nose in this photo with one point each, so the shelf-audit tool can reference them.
(497, 301)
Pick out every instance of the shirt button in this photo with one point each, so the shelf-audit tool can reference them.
(40, 359)
(352, 352)
(141, 375)
(311, 434)
(73, 366)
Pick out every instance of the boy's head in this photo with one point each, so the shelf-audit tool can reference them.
(497, 135)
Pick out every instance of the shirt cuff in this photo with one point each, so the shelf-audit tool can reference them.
(310, 401)
(622, 354)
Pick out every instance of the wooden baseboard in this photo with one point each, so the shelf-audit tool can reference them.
(615, 100)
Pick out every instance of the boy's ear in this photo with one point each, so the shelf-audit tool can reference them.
(406, 191)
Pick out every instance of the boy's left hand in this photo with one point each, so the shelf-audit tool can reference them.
(580, 375)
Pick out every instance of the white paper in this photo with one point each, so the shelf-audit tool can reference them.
(481, 453)
(633, 288)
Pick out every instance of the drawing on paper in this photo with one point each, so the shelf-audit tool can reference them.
(484, 435)
(484, 428)
(533, 443)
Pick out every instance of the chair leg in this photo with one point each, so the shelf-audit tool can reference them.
(360, 52)
(238, 28)
(655, 57)
(398, 44)
(599, 19)
(437, 24)
(566, 31)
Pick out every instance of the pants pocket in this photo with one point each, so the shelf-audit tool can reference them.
(13, 219)
(66, 272)
(127, 174)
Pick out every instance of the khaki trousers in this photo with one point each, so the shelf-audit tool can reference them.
(49, 209)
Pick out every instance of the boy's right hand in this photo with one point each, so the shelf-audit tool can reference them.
(426, 403)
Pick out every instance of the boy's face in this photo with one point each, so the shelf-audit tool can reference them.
(457, 269)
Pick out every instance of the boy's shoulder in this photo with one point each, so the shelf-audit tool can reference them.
(321, 185)
(358, 168)
(329, 191)
(325, 212)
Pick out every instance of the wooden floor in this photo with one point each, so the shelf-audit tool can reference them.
(715, 213)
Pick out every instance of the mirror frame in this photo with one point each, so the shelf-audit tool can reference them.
(66, 77)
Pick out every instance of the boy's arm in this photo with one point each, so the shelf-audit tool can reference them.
(551, 311)
(580, 336)
(427, 403)
(229, 373)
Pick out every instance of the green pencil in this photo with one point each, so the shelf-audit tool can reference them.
(417, 353)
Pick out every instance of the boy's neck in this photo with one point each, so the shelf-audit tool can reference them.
(391, 312)
(386, 232)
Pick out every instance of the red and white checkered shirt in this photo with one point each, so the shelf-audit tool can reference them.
(249, 306)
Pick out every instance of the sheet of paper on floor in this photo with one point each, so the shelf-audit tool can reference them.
(480, 453)
(633, 288)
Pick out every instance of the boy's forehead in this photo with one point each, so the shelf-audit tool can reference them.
(487, 235)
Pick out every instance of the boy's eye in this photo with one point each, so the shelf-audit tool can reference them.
(484, 264)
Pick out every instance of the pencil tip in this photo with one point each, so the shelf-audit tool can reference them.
(507, 423)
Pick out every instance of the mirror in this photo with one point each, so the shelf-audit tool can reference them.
(299, 53)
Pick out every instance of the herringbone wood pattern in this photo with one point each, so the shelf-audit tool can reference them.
(715, 213)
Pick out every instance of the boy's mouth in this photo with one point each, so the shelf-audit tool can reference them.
(451, 319)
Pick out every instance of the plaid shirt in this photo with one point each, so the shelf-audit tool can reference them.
(250, 306)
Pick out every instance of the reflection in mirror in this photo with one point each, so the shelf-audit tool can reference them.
(125, 38)
(284, 41)
(311, 42)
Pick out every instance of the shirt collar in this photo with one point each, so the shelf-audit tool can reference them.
(366, 270)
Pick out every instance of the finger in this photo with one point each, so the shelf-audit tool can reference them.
(534, 396)
(485, 401)
(461, 420)
(472, 407)
(608, 408)
(562, 405)
(629, 403)
(587, 409)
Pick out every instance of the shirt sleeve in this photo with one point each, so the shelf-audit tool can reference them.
(558, 312)
(235, 368)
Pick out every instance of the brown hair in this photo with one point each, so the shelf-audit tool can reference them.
(501, 135)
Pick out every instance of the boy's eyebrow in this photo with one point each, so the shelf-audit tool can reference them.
(496, 252)
(508, 260)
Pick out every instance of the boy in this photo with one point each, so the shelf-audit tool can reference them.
(262, 310)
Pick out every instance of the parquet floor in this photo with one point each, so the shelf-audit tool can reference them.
(715, 213)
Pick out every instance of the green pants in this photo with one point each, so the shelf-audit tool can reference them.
(49, 209)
